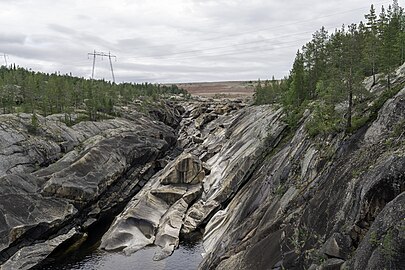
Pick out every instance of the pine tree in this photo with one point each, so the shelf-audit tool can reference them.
(384, 51)
(351, 69)
(297, 87)
(372, 42)
(319, 41)
(389, 29)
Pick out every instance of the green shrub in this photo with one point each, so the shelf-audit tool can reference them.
(325, 120)
(358, 122)
(33, 126)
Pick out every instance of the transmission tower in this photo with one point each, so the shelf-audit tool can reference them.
(102, 54)
(5, 58)
(94, 54)
(112, 70)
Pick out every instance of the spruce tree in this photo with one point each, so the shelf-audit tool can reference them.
(297, 87)
(372, 42)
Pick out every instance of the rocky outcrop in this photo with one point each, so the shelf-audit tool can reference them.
(154, 215)
(29, 256)
(94, 167)
(21, 151)
(24, 211)
(321, 203)
(93, 171)
(193, 186)
(165, 111)
(109, 149)
(243, 143)
(187, 170)
(384, 244)
(262, 195)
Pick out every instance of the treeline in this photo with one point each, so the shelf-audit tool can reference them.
(329, 70)
(22, 90)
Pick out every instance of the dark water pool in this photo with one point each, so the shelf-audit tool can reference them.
(186, 257)
(87, 256)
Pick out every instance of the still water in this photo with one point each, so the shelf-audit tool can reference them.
(186, 257)
(87, 256)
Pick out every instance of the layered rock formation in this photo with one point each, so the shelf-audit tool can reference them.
(94, 166)
(156, 213)
(264, 196)
(221, 145)
(320, 204)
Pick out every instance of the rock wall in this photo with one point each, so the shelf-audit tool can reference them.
(56, 178)
(221, 142)
(335, 203)
(263, 197)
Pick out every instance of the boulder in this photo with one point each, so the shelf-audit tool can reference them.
(338, 246)
(167, 237)
(136, 227)
(187, 169)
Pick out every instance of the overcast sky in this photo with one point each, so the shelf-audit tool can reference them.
(168, 41)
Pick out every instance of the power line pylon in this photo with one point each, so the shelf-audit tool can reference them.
(112, 70)
(5, 58)
(102, 54)
(94, 54)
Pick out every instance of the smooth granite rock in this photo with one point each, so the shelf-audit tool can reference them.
(322, 203)
(155, 214)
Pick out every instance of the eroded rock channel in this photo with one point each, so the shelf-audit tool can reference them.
(176, 167)
(262, 195)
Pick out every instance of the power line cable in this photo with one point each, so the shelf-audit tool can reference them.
(239, 51)
(210, 52)
(250, 42)
(226, 46)
(273, 27)
(235, 50)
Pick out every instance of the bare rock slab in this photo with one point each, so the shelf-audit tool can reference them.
(167, 237)
(24, 211)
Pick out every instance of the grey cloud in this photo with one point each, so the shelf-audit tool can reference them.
(83, 17)
(144, 47)
(12, 38)
(75, 36)
(147, 36)
(53, 54)
(61, 29)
